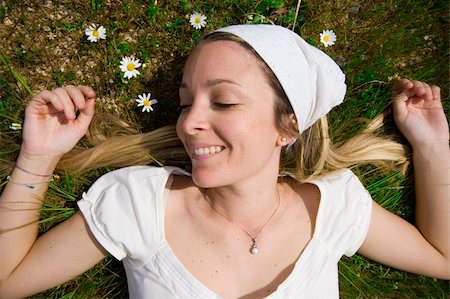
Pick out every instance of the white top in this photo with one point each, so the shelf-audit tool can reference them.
(125, 212)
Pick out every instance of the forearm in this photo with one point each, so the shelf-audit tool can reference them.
(432, 184)
(20, 209)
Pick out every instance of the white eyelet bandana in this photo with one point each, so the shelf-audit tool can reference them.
(312, 81)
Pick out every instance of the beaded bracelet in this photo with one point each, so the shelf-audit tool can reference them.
(28, 185)
(36, 174)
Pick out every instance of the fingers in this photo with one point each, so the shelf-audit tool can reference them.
(69, 107)
(88, 92)
(422, 91)
(436, 92)
(68, 99)
(86, 114)
(402, 85)
(414, 90)
(45, 97)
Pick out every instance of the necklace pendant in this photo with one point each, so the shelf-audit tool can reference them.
(255, 248)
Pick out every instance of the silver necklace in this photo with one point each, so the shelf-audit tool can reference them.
(254, 249)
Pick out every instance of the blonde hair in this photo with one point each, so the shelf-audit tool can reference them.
(312, 155)
(119, 144)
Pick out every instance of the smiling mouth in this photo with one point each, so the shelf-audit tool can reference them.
(201, 151)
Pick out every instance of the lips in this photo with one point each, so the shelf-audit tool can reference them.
(207, 150)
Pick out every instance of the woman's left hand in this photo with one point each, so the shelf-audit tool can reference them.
(418, 113)
(424, 249)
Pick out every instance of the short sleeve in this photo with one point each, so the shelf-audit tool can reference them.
(358, 214)
(344, 213)
(123, 211)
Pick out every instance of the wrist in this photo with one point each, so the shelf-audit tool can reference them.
(437, 151)
(37, 164)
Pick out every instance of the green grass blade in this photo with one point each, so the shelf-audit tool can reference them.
(15, 73)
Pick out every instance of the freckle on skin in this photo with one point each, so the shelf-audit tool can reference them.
(228, 256)
(275, 265)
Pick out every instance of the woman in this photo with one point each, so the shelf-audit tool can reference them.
(232, 228)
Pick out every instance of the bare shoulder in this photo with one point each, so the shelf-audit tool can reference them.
(183, 187)
(305, 196)
(182, 193)
(300, 191)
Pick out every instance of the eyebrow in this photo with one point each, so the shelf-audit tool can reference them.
(214, 82)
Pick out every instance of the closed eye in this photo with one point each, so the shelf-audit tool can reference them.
(224, 106)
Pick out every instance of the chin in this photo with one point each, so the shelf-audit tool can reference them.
(204, 178)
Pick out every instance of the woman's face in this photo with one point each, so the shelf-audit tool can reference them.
(227, 122)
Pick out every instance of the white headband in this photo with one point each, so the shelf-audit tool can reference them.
(312, 81)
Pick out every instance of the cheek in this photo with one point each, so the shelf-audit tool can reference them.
(179, 129)
(253, 132)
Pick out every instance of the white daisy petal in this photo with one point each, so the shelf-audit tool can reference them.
(145, 101)
(94, 34)
(102, 31)
(328, 38)
(15, 126)
(129, 66)
(197, 20)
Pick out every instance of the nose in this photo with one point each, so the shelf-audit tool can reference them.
(194, 119)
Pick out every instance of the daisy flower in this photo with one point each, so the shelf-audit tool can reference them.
(327, 37)
(129, 66)
(15, 126)
(51, 36)
(197, 20)
(94, 34)
(144, 100)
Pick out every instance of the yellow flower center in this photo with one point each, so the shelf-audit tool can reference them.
(130, 67)
(95, 33)
(197, 20)
(146, 102)
(326, 38)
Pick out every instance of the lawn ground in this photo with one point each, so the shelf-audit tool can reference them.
(43, 45)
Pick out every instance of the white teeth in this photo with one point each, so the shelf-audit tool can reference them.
(207, 150)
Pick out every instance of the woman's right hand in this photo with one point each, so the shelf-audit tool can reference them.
(54, 122)
(52, 126)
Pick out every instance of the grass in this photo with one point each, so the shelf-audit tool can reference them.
(45, 47)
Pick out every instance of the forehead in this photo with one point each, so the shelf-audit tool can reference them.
(222, 59)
